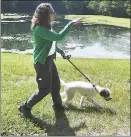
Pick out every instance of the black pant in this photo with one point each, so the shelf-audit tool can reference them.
(48, 82)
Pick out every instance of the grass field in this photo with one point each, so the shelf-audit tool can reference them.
(18, 83)
(99, 19)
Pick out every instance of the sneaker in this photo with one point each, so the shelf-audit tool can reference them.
(24, 110)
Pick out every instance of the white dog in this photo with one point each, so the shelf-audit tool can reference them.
(85, 89)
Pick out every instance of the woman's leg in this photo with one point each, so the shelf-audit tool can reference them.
(55, 90)
(43, 79)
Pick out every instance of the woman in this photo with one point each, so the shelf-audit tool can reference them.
(44, 52)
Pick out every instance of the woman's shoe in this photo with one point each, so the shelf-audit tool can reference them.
(24, 110)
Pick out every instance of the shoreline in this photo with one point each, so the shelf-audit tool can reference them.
(75, 57)
(100, 19)
(92, 19)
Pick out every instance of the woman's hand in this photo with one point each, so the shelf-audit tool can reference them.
(77, 21)
(65, 56)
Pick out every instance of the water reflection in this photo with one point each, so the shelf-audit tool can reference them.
(98, 51)
(83, 40)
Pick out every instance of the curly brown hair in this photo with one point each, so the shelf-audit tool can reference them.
(41, 16)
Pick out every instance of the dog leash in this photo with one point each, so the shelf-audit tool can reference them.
(81, 72)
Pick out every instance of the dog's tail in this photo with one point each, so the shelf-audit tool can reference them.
(63, 82)
(63, 94)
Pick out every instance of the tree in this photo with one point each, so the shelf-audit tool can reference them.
(127, 6)
(105, 7)
(117, 8)
(76, 7)
(94, 6)
(8, 6)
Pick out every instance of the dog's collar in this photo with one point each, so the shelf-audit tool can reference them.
(94, 87)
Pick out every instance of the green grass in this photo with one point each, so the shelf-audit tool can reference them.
(99, 19)
(18, 83)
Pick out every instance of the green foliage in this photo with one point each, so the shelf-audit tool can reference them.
(8, 5)
(117, 8)
(127, 6)
(105, 7)
(75, 7)
(94, 6)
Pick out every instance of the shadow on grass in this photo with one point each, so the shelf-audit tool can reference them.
(92, 109)
(61, 127)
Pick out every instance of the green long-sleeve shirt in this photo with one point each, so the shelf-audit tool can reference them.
(43, 38)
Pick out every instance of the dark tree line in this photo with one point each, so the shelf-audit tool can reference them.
(117, 8)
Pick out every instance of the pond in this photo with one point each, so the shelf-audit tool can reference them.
(83, 40)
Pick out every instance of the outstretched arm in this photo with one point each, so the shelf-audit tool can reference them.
(50, 34)
(54, 36)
